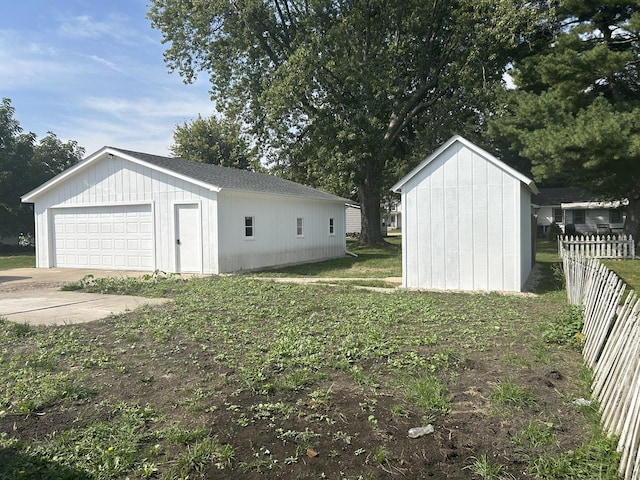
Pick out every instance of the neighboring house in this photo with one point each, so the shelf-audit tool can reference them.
(467, 222)
(393, 214)
(577, 212)
(119, 209)
(354, 221)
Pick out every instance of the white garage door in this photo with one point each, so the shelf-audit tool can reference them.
(113, 237)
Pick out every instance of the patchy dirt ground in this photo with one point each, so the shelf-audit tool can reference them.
(291, 421)
(353, 431)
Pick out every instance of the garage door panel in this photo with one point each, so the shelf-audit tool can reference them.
(116, 237)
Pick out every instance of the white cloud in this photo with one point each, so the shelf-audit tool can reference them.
(98, 79)
(114, 26)
(143, 124)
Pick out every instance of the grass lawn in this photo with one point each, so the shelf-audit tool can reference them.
(17, 260)
(247, 378)
(627, 270)
(379, 262)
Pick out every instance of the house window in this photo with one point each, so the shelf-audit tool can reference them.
(249, 227)
(579, 216)
(557, 215)
(332, 228)
(615, 216)
(299, 225)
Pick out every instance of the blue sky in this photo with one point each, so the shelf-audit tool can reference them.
(92, 71)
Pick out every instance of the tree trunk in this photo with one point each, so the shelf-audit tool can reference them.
(369, 197)
(632, 222)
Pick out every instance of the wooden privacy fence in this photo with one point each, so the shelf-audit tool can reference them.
(612, 350)
(596, 246)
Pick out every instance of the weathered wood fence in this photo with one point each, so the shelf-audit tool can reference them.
(596, 246)
(612, 350)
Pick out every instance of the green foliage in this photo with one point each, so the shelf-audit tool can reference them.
(507, 393)
(209, 140)
(24, 165)
(156, 284)
(553, 232)
(487, 470)
(342, 95)
(566, 327)
(575, 114)
(536, 434)
(234, 366)
(595, 460)
(104, 449)
(428, 393)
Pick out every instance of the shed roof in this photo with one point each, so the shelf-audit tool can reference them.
(213, 177)
(472, 146)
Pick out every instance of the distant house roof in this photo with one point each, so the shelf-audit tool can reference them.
(213, 177)
(573, 199)
(559, 195)
(473, 147)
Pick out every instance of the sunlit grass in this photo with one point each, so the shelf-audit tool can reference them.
(17, 260)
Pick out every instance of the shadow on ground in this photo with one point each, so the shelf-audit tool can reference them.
(15, 465)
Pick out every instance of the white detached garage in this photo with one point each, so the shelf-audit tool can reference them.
(125, 210)
(467, 222)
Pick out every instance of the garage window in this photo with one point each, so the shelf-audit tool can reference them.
(249, 227)
(299, 227)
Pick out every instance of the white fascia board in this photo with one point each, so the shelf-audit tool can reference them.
(61, 177)
(472, 146)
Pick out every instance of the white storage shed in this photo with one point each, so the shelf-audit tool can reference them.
(125, 210)
(467, 222)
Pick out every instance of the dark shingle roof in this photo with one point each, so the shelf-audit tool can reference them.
(232, 178)
(556, 196)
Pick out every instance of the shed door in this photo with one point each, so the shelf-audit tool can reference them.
(111, 238)
(188, 251)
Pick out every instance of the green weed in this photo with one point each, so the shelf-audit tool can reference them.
(429, 394)
(595, 460)
(535, 434)
(486, 470)
(509, 394)
(565, 327)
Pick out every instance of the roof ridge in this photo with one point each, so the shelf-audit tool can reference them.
(230, 177)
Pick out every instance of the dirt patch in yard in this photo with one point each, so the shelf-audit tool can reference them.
(228, 390)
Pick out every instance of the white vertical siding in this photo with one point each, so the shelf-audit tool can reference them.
(526, 237)
(463, 225)
(275, 241)
(118, 181)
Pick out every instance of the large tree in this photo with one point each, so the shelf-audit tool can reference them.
(338, 90)
(215, 141)
(25, 163)
(575, 111)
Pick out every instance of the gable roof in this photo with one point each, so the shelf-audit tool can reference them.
(212, 177)
(471, 146)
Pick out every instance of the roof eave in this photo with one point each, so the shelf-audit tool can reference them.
(458, 138)
(33, 194)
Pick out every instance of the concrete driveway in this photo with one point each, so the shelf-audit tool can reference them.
(33, 296)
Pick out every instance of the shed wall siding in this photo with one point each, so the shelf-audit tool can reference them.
(275, 241)
(526, 238)
(118, 181)
(353, 219)
(463, 224)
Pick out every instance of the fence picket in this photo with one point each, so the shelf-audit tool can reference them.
(611, 341)
(596, 246)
